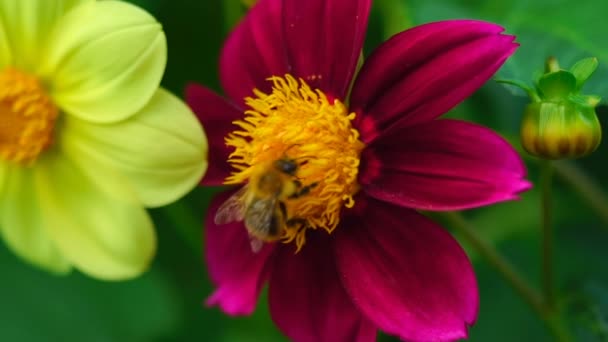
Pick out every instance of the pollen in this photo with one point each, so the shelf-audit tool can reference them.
(27, 117)
(315, 131)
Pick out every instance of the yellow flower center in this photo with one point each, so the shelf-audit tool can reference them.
(297, 124)
(27, 117)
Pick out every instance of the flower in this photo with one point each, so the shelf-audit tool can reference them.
(355, 255)
(87, 137)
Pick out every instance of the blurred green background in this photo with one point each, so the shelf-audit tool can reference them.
(166, 304)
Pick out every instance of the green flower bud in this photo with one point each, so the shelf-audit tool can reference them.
(555, 130)
(560, 122)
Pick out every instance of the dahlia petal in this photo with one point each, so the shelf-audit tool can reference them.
(96, 222)
(217, 114)
(406, 274)
(162, 149)
(105, 60)
(26, 25)
(22, 224)
(442, 165)
(254, 51)
(306, 297)
(421, 73)
(275, 38)
(238, 272)
(324, 41)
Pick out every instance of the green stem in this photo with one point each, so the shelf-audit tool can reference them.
(546, 176)
(586, 187)
(504, 267)
(491, 255)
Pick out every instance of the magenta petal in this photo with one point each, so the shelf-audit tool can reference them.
(216, 115)
(406, 274)
(324, 40)
(306, 297)
(423, 72)
(442, 165)
(238, 272)
(254, 51)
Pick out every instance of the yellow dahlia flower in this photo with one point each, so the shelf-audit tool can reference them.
(87, 137)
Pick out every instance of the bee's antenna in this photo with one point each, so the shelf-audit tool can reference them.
(298, 158)
(302, 157)
(294, 159)
(289, 148)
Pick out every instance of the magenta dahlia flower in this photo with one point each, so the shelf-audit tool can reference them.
(333, 164)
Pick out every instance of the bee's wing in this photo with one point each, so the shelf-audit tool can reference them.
(256, 244)
(233, 209)
(260, 216)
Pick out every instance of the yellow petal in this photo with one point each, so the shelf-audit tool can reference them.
(97, 223)
(26, 25)
(21, 221)
(6, 56)
(104, 61)
(162, 149)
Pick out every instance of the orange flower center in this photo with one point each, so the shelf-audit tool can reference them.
(308, 139)
(27, 117)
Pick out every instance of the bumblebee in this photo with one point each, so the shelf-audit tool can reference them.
(261, 203)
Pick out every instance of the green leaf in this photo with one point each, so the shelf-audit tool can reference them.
(396, 16)
(37, 306)
(583, 69)
(568, 30)
(149, 5)
(587, 310)
(233, 11)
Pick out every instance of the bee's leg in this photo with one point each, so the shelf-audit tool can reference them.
(303, 190)
(276, 226)
(283, 208)
(296, 221)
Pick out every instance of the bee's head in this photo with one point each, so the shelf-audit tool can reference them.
(287, 166)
